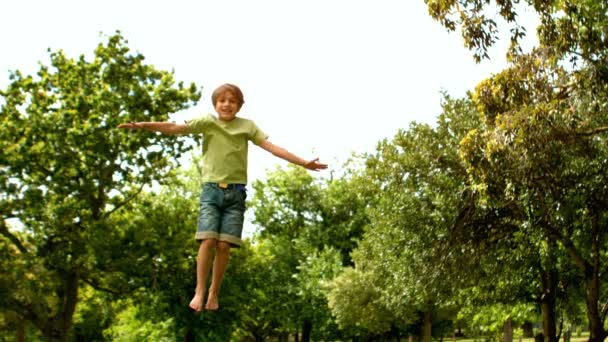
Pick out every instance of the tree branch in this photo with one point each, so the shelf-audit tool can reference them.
(571, 249)
(99, 287)
(29, 311)
(121, 204)
(574, 253)
(15, 240)
(593, 132)
(604, 311)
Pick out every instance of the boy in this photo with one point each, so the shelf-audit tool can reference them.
(224, 175)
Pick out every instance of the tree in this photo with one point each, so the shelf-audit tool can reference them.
(314, 272)
(13, 268)
(420, 185)
(158, 258)
(355, 300)
(538, 161)
(284, 206)
(545, 144)
(64, 169)
(571, 29)
(267, 306)
(544, 152)
(307, 222)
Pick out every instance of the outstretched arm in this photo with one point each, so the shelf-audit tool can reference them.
(282, 153)
(163, 127)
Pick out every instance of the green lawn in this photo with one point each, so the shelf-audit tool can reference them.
(574, 338)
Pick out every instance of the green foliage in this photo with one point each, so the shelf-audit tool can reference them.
(65, 170)
(538, 151)
(488, 320)
(355, 301)
(402, 263)
(14, 268)
(157, 230)
(128, 327)
(308, 229)
(286, 202)
(575, 29)
(94, 314)
(571, 29)
(541, 158)
(267, 306)
(315, 272)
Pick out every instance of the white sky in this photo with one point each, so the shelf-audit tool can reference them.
(321, 77)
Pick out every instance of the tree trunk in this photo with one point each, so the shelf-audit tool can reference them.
(20, 330)
(58, 327)
(508, 331)
(71, 299)
(539, 337)
(597, 333)
(591, 270)
(394, 334)
(428, 326)
(567, 334)
(306, 330)
(548, 296)
(528, 329)
(547, 307)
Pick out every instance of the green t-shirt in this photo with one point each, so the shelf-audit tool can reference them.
(225, 147)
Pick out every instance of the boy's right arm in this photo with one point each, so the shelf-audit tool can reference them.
(163, 127)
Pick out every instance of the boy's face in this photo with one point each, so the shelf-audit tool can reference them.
(226, 106)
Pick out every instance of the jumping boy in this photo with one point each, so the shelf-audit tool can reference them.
(222, 201)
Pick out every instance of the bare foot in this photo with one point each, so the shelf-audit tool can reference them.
(196, 303)
(212, 304)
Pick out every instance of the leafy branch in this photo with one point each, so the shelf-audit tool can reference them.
(14, 239)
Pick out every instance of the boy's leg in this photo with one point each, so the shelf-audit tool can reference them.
(219, 268)
(203, 264)
(209, 219)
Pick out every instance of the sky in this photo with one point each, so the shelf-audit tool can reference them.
(323, 78)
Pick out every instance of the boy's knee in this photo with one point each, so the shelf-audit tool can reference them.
(223, 246)
(209, 243)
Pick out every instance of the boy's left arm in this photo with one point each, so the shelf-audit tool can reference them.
(282, 153)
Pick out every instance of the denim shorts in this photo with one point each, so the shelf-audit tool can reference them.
(221, 213)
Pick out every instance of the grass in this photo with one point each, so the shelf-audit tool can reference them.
(575, 338)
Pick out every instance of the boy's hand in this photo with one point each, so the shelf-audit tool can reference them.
(314, 165)
(130, 125)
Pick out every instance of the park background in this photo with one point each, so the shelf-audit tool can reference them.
(344, 81)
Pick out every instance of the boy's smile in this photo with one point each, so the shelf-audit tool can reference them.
(227, 106)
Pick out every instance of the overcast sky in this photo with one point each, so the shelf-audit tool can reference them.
(320, 77)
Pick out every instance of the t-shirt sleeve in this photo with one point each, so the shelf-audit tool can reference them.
(200, 124)
(257, 136)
